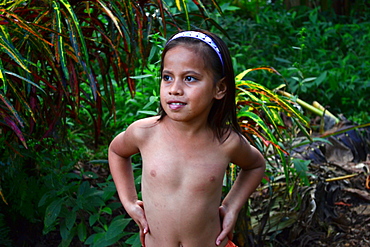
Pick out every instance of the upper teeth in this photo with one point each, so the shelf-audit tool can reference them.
(177, 103)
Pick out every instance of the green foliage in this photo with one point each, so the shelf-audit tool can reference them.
(50, 186)
(74, 75)
(57, 78)
(68, 76)
(60, 60)
(80, 209)
(260, 111)
(323, 56)
(301, 169)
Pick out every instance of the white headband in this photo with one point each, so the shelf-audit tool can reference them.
(202, 37)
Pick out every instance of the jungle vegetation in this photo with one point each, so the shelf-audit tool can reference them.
(73, 74)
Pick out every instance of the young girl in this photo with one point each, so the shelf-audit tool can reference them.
(186, 150)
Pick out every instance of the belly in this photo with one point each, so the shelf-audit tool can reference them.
(181, 202)
(182, 219)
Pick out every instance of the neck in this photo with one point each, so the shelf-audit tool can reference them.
(186, 129)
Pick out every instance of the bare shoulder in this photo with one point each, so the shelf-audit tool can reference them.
(242, 153)
(129, 141)
(236, 143)
(140, 128)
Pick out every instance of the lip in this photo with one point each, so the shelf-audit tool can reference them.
(176, 104)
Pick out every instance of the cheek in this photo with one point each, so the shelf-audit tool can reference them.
(162, 95)
(161, 88)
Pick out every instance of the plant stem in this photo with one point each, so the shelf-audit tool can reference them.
(311, 108)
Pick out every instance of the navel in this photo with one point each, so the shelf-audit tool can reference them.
(153, 173)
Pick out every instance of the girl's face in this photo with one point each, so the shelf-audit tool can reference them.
(187, 86)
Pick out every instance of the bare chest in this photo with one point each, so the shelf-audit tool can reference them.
(189, 166)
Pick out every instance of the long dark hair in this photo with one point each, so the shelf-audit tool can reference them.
(222, 117)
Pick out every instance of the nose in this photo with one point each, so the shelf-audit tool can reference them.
(176, 88)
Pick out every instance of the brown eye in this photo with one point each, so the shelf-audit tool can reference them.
(166, 78)
(190, 79)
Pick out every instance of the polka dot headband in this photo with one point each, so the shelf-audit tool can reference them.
(202, 37)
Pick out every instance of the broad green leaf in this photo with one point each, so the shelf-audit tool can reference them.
(93, 219)
(70, 220)
(301, 167)
(321, 78)
(116, 227)
(90, 239)
(66, 234)
(52, 212)
(107, 210)
(309, 79)
(134, 240)
(84, 188)
(82, 231)
(44, 198)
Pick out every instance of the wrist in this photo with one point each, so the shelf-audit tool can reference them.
(231, 207)
(129, 203)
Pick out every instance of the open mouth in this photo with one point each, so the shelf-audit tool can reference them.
(176, 105)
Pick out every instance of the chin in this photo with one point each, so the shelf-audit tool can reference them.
(176, 117)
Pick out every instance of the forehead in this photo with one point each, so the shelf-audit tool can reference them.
(182, 48)
(191, 54)
(194, 45)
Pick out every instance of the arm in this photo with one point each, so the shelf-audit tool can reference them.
(252, 164)
(119, 156)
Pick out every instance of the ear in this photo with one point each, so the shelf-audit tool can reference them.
(221, 89)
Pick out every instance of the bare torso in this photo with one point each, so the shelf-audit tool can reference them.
(181, 187)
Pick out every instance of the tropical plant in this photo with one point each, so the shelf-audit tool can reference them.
(69, 69)
(66, 59)
(321, 55)
(274, 122)
(60, 59)
(261, 115)
(62, 66)
(78, 209)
